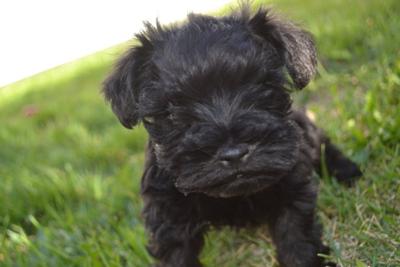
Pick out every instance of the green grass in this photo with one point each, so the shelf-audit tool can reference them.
(69, 173)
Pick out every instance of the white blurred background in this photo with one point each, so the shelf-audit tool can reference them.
(41, 34)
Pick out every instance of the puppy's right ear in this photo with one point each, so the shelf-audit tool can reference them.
(123, 85)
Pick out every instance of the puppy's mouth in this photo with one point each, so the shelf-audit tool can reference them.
(238, 183)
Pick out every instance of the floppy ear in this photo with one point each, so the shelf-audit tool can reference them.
(295, 45)
(123, 85)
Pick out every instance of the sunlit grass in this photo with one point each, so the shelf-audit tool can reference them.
(70, 174)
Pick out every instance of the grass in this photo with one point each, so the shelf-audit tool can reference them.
(69, 173)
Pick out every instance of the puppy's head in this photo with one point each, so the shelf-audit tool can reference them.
(213, 94)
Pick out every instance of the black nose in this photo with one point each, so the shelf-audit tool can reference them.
(232, 154)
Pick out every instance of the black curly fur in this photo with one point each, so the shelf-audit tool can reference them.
(226, 148)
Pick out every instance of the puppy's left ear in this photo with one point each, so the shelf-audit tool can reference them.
(294, 45)
(123, 85)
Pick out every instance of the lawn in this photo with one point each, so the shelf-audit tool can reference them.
(69, 172)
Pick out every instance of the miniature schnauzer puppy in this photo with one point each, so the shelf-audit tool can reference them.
(225, 145)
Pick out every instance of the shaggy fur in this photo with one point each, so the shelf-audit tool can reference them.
(226, 147)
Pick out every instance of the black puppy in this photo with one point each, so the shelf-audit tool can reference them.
(226, 148)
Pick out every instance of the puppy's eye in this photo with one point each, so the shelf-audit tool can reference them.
(148, 119)
(172, 117)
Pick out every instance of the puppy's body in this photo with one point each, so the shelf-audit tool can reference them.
(225, 146)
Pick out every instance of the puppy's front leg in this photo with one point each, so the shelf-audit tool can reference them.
(296, 233)
(173, 242)
(176, 237)
(176, 232)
